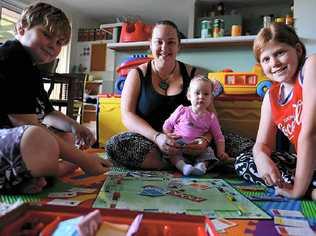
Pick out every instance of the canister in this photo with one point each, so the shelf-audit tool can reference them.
(217, 28)
(266, 21)
(206, 29)
(236, 30)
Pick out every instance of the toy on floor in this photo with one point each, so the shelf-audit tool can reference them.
(229, 82)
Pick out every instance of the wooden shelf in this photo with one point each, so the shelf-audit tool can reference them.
(189, 43)
(246, 97)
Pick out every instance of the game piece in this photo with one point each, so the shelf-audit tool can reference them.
(221, 189)
(175, 185)
(230, 197)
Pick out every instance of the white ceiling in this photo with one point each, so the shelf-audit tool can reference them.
(106, 11)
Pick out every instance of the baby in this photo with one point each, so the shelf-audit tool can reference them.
(191, 123)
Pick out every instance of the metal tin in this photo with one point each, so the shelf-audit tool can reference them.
(266, 21)
(206, 29)
(218, 28)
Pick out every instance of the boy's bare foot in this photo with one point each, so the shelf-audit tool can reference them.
(35, 185)
(65, 167)
(313, 194)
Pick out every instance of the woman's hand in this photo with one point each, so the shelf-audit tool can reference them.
(167, 143)
(84, 138)
(269, 172)
(196, 147)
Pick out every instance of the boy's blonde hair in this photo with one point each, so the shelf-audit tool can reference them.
(202, 78)
(51, 18)
(277, 32)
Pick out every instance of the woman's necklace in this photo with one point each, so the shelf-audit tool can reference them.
(163, 82)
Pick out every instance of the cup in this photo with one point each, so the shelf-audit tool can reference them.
(236, 30)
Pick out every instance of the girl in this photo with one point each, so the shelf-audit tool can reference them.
(191, 122)
(290, 106)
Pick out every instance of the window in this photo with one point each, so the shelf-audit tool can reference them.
(7, 22)
(10, 11)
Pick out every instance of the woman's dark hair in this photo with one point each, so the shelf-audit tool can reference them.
(172, 24)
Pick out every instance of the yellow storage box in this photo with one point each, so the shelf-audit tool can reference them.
(108, 118)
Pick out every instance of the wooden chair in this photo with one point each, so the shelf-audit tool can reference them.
(66, 91)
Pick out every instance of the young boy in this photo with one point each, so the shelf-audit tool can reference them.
(41, 32)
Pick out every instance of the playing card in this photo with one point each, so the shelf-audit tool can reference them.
(221, 224)
(295, 231)
(64, 202)
(62, 194)
(290, 222)
(287, 213)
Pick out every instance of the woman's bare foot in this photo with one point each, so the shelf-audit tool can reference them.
(33, 186)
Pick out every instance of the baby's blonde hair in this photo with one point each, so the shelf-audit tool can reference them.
(202, 78)
(51, 18)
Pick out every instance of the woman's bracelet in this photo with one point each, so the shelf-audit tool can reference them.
(156, 136)
(205, 139)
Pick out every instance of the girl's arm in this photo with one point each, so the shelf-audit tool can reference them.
(306, 147)
(265, 143)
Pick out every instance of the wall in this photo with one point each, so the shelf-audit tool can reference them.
(304, 12)
(77, 21)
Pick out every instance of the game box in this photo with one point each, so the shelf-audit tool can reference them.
(38, 219)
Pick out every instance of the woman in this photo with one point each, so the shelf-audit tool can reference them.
(150, 94)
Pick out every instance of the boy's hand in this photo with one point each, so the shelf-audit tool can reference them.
(83, 136)
(95, 165)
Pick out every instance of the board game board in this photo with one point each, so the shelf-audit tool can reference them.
(144, 191)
